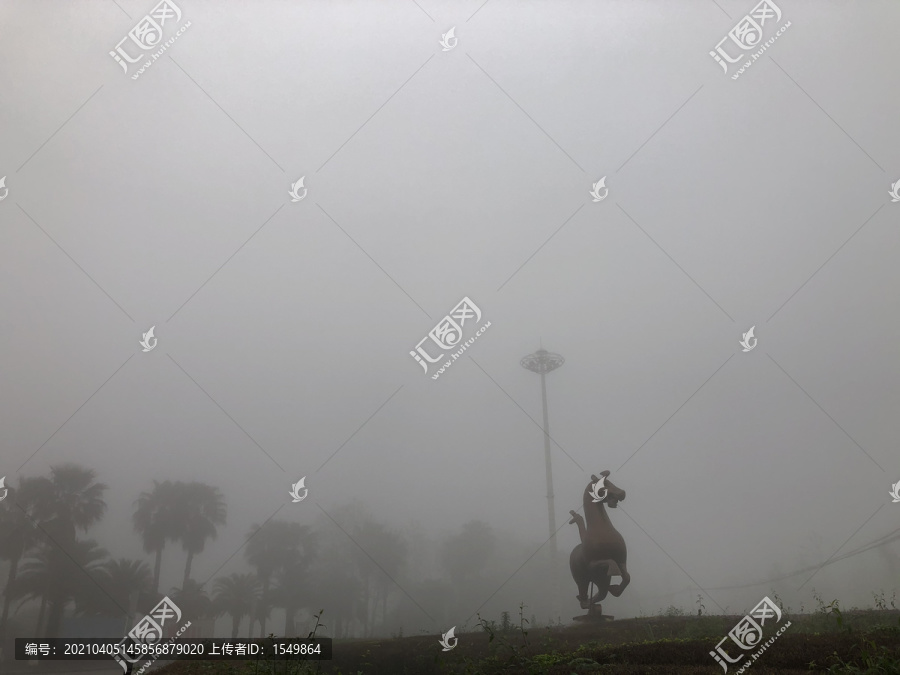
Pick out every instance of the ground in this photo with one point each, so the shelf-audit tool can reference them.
(820, 642)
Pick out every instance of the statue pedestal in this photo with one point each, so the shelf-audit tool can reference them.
(595, 615)
(593, 618)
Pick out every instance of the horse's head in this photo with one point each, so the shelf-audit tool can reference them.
(603, 488)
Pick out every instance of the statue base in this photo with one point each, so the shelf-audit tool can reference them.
(593, 618)
(595, 615)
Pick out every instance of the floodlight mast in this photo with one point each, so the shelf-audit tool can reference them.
(543, 362)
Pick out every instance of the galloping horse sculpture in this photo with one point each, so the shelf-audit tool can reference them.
(601, 553)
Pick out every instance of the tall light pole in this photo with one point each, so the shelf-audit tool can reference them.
(543, 362)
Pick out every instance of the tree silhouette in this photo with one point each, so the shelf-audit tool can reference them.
(236, 595)
(292, 588)
(379, 555)
(155, 520)
(192, 600)
(200, 509)
(465, 554)
(277, 545)
(18, 534)
(58, 578)
(68, 501)
(366, 551)
(335, 586)
(118, 580)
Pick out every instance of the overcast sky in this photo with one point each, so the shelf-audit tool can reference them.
(284, 328)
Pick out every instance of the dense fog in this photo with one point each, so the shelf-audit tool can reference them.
(573, 177)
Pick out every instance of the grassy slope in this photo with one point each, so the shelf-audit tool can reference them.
(646, 645)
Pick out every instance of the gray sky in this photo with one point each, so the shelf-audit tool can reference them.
(436, 175)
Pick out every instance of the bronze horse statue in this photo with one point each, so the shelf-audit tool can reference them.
(601, 553)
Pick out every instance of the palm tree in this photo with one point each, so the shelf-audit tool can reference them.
(292, 590)
(69, 500)
(156, 522)
(389, 549)
(117, 581)
(335, 586)
(272, 547)
(18, 534)
(58, 577)
(236, 595)
(200, 508)
(192, 600)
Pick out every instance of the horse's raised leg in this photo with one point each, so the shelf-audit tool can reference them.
(598, 596)
(616, 589)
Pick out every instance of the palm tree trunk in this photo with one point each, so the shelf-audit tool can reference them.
(264, 606)
(7, 594)
(40, 621)
(54, 618)
(365, 612)
(235, 624)
(156, 570)
(368, 609)
(290, 629)
(187, 569)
